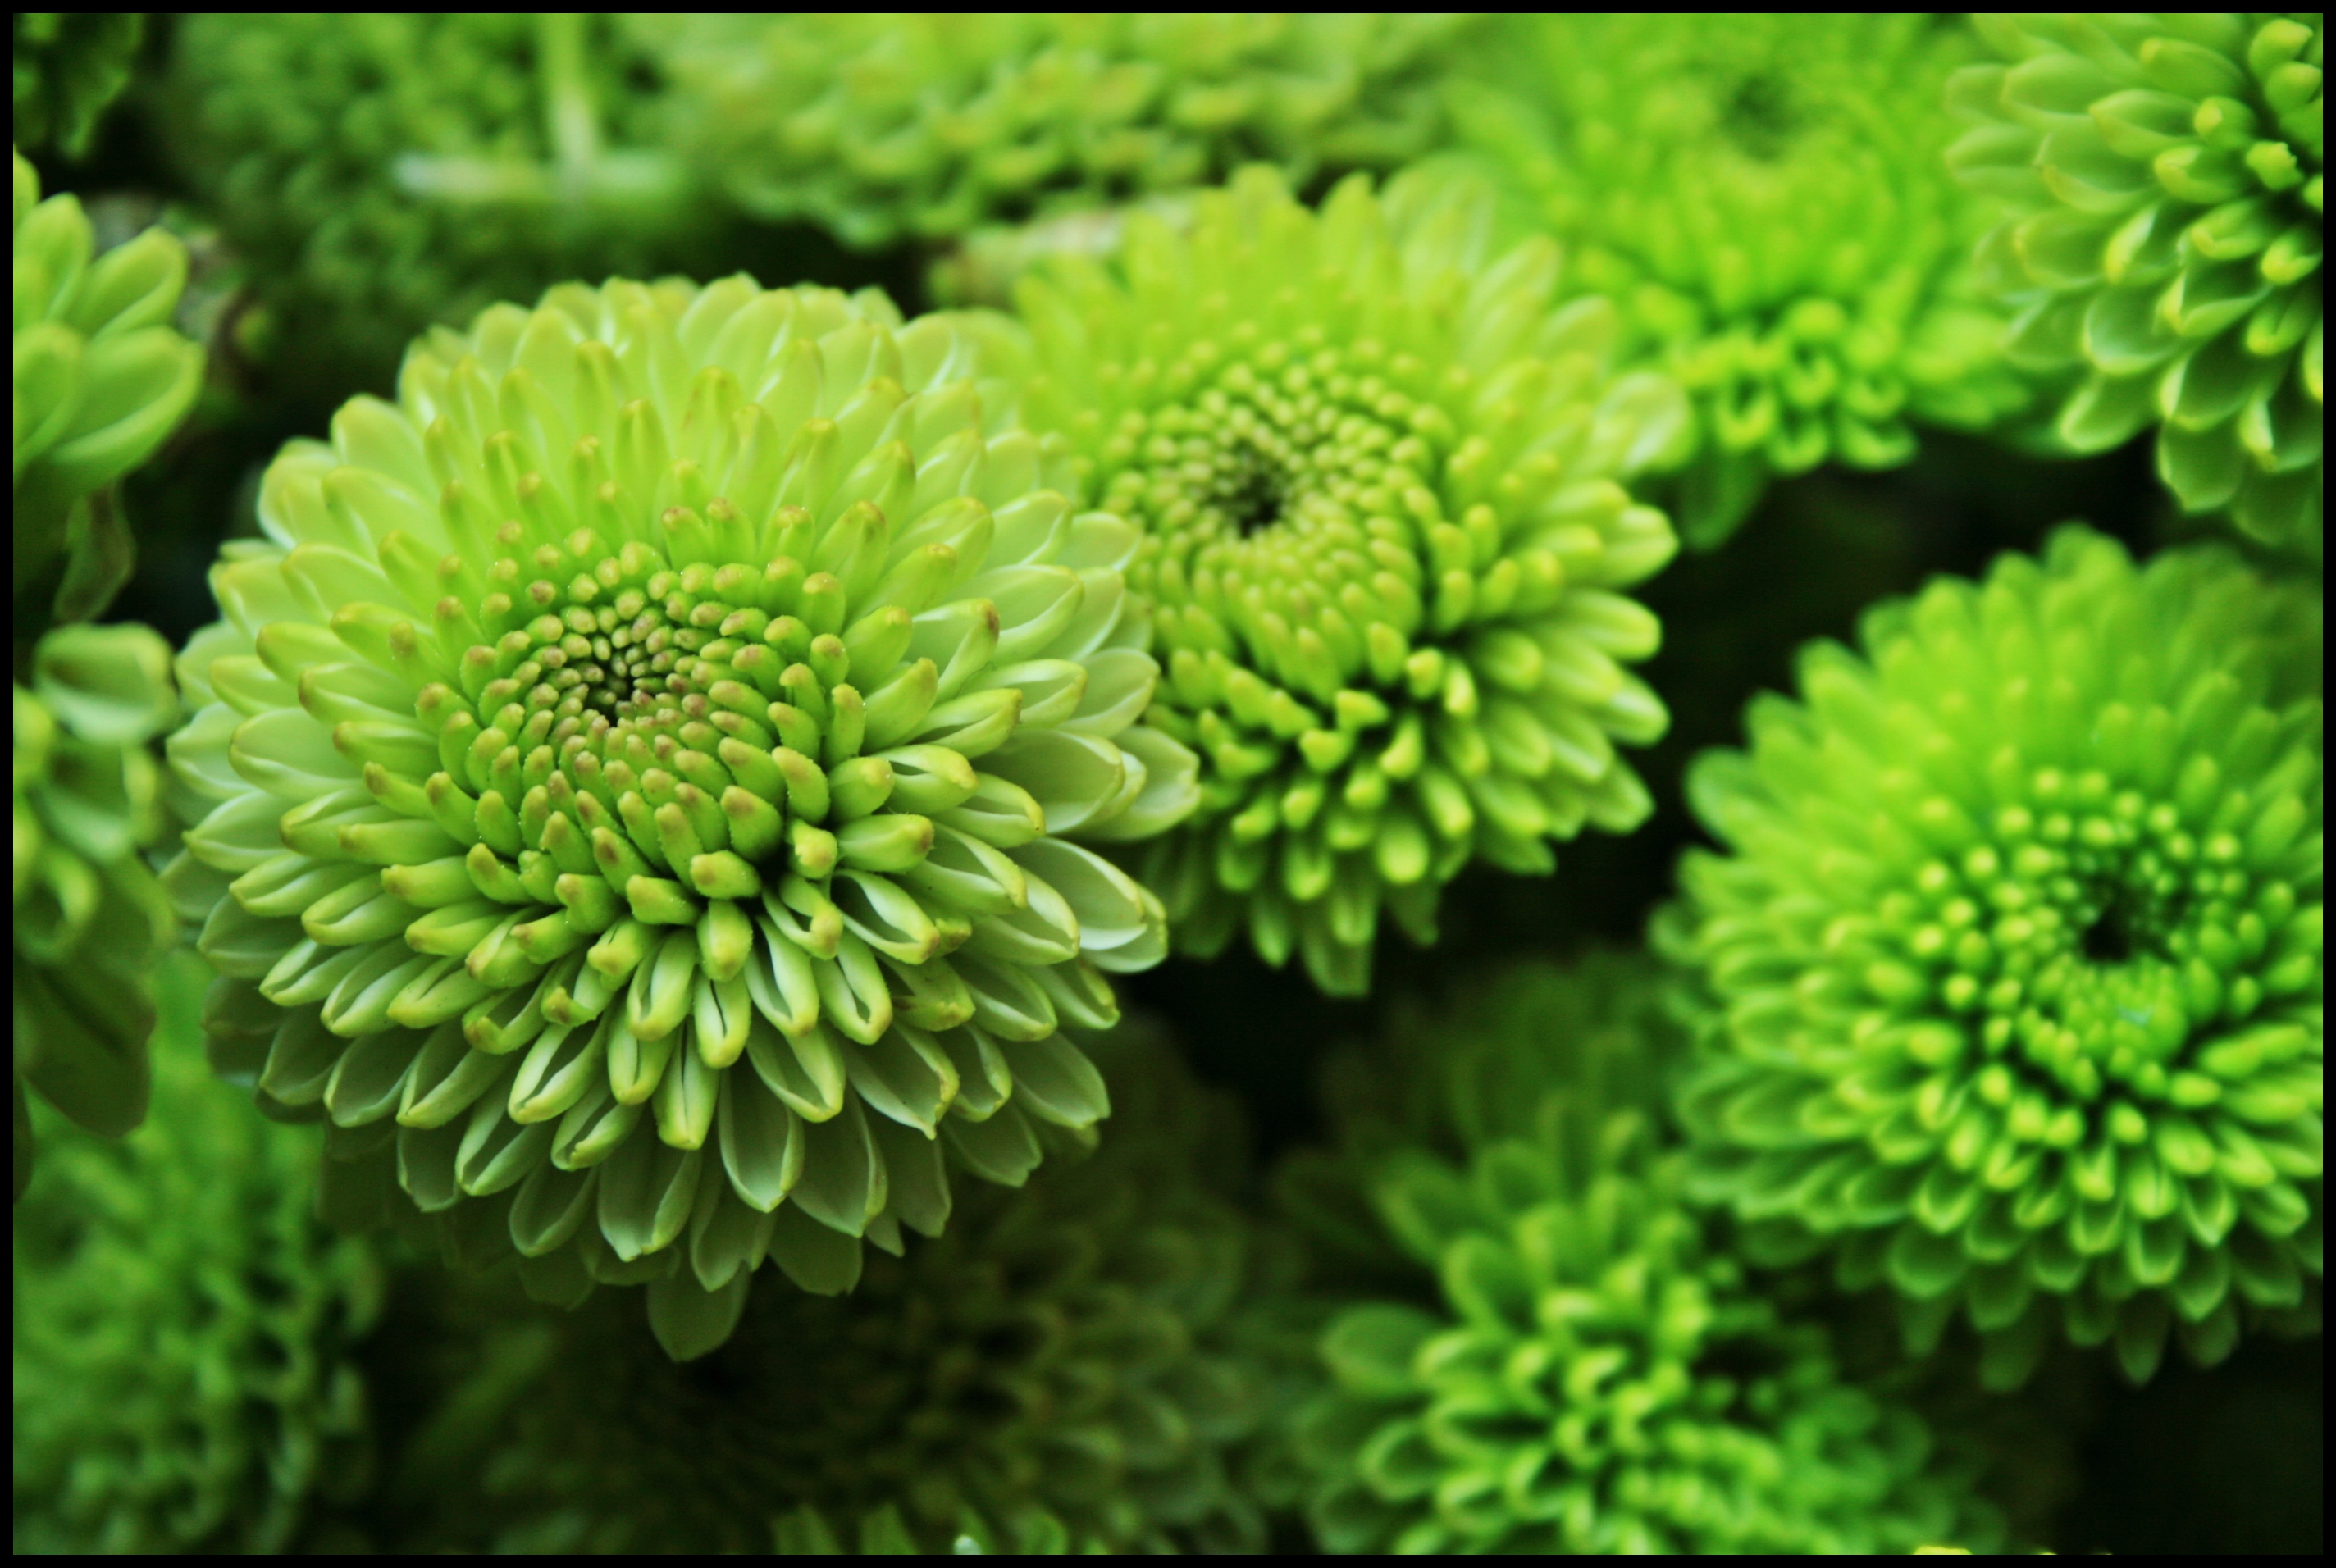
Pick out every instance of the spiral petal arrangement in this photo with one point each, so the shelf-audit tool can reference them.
(1763, 197)
(597, 840)
(1385, 544)
(183, 1325)
(881, 126)
(1067, 1369)
(2015, 962)
(2162, 240)
(1564, 1363)
(70, 66)
(101, 377)
(88, 918)
(386, 171)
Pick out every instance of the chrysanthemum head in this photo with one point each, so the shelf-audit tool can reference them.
(1385, 546)
(594, 739)
(2160, 176)
(2015, 965)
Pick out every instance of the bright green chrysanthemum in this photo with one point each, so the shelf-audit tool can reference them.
(88, 917)
(2163, 176)
(598, 841)
(69, 66)
(183, 1325)
(100, 378)
(2016, 963)
(1376, 472)
(880, 125)
(386, 171)
(1068, 1366)
(1567, 1364)
(1762, 195)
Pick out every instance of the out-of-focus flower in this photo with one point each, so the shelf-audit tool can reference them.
(183, 1325)
(1385, 544)
(71, 66)
(2163, 244)
(2014, 964)
(596, 838)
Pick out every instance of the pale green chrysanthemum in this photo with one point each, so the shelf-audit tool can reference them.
(1376, 473)
(599, 842)
(1562, 1361)
(1066, 1369)
(88, 918)
(386, 171)
(882, 125)
(70, 66)
(2015, 964)
(100, 378)
(1763, 197)
(183, 1325)
(2162, 172)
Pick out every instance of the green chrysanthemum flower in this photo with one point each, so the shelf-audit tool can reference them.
(1587, 1373)
(2163, 176)
(70, 66)
(1385, 542)
(183, 1325)
(880, 125)
(1762, 195)
(386, 170)
(100, 378)
(1068, 1367)
(88, 917)
(599, 842)
(2016, 964)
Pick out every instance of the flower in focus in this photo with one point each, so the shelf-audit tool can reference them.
(1560, 1360)
(1385, 544)
(1762, 197)
(2014, 960)
(1067, 1369)
(2162, 176)
(884, 125)
(101, 377)
(596, 839)
(87, 917)
(183, 1325)
(71, 66)
(384, 171)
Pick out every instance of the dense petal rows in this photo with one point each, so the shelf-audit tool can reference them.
(1069, 1367)
(596, 838)
(1562, 1361)
(87, 917)
(101, 377)
(2015, 959)
(2163, 243)
(384, 171)
(884, 125)
(1385, 544)
(1762, 197)
(183, 1325)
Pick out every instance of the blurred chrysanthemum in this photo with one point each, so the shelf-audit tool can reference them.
(2162, 172)
(1384, 545)
(69, 66)
(183, 1325)
(100, 378)
(88, 918)
(1762, 197)
(596, 839)
(2015, 964)
(1068, 1367)
(1562, 1360)
(883, 126)
(384, 171)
